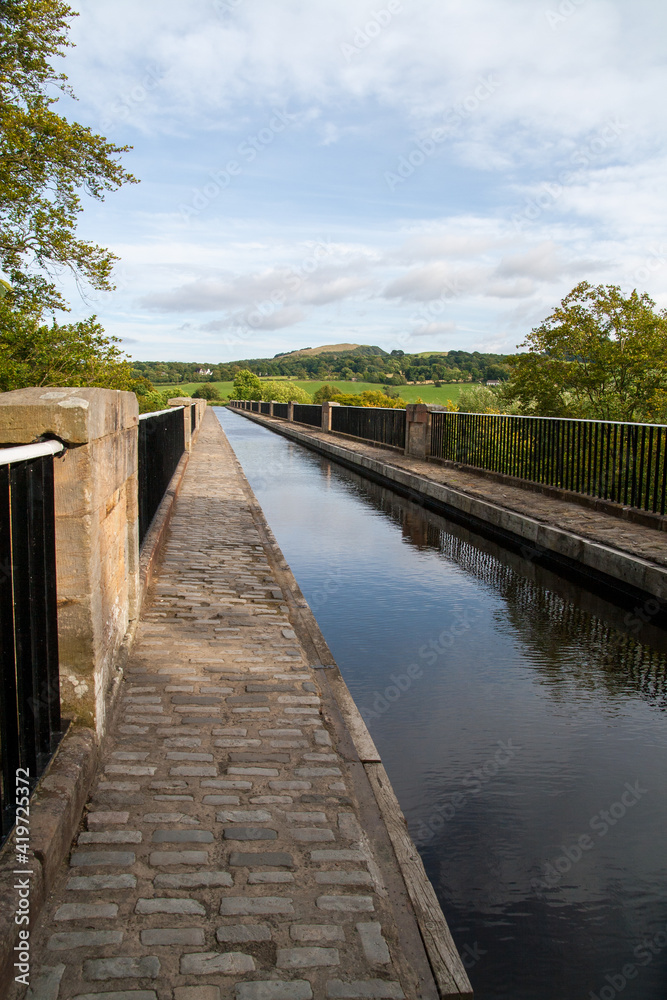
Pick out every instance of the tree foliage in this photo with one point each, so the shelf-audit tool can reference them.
(74, 354)
(209, 392)
(46, 160)
(600, 354)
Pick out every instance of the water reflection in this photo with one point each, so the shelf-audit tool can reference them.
(515, 713)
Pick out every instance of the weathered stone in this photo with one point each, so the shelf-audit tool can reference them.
(102, 858)
(193, 880)
(243, 933)
(249, 906)
(95, 883)
(243, 816)
(373, 943)
(232, 963)
(111, 837)
(65, 940)
(274, 859)
(102, 818)
(249, 833)
(344, 878)
(305, 958)
(122, 968)
(316, 932)
(173, 935)
(87, 911)
(45, 982)
(342, 904)
(163, 858)
(164, 905)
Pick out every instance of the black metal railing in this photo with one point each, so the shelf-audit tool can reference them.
(161, 445)
(622, 462)
(281, 410)
(193, 418)
(265, 408)
(308, 413)
(372, 423)
(30, 725)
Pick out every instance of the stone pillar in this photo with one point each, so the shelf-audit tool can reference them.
(97, 529)
(271, 408)
(417, 430)
(290, 411)
(187, 402)
(326, 415)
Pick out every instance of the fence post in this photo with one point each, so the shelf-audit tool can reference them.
(290, 411)
(186, 402)
(417, 430)
(326, 415)
(271, 408)
(97, 530)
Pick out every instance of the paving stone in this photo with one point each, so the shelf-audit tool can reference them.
(322, 737)
(249, 833)
(122, 968)
(87, 911)
(221, 800)
(243, 933)
(95, 883)
(65, 940)
(226, 783)
(261, 878)
(345, 855)
(195, 770)
(164, 905)
(193, 880)
(349, 826)
(312, 835)
(290, 786)
(304, 958)
(101, 858)
(249, 906)
(297, 989)
(182, 837)
(274, 859)
(306, 817)
(373, 943)
(377, 989)
(110, 837)
(344, 878)
(163, 858)
(318, 772)
(261, 772)
(316, 932)
(137, 769)
(342, 904)
(45, 982)
(188, 755)
(108, 818)
(173, 935)
(232, 963)
(173, 817)
(243, 816)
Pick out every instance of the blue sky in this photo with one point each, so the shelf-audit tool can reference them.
(433, 174)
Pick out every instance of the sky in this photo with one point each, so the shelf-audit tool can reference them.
(416, 174)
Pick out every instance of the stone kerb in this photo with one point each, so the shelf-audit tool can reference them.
(97, 530)
(417, 430)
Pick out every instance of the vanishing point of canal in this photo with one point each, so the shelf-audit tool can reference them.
(522, 721)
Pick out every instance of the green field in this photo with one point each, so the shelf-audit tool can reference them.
(409, 393)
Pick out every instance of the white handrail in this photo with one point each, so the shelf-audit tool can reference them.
(156, 413)
(24, 452)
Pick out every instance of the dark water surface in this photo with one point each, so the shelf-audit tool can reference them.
(521, 720)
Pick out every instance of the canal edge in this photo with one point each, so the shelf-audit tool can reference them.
(445, 964)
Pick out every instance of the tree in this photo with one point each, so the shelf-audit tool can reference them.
(600, 354)
(284, 392)
(74, 354)
(207, 391)
(46, 161)
(246, 386)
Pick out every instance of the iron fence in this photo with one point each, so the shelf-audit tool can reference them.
(30, 725)
(161, 445)
(373, 423)
(308, 413)
(622, 462)
(281, 410)
(193, 418)
(265, 408)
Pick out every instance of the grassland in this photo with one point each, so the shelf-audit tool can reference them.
(410, 393)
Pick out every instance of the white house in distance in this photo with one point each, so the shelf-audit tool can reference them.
(493, 381)
(204, 371)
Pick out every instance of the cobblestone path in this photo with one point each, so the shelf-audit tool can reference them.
(221, 853)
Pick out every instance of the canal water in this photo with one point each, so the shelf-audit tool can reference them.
(522, 722)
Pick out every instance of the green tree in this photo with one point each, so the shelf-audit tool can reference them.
(246, 386)
(74, 354)
(46, 161)
(284, 392)
(207, 391)
(325, 393)
(600, 354)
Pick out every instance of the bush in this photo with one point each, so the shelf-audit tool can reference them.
(283, 392)
(207, 391)
(479, 399)
(152, 401)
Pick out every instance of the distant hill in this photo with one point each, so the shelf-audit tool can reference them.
(309, 352)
